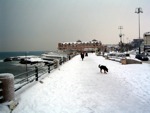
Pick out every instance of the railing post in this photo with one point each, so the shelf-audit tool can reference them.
(56, 63)
(36, 73)
(49, 68)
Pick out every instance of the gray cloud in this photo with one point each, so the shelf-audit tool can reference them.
(41, 24)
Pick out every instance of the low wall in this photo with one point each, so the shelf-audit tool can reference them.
(130, 61)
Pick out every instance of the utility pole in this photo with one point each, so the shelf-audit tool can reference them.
(138, 11)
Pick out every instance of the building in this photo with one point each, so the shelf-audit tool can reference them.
(112, 47)
(146, 41)
(81, 46)
(137, 43)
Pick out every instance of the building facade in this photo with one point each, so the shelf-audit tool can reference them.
(80, 46)
(146, 41)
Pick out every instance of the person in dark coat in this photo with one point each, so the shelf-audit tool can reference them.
(69, 57)
(82, 56)
(86, 54)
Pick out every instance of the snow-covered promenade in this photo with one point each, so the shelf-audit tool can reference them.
(78, 87)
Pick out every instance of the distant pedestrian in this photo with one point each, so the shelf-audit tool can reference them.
(82, 56)
(69, 57)
(86, 54)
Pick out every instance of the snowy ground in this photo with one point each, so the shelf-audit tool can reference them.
(79, 87)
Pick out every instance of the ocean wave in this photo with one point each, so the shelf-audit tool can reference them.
(1, 60)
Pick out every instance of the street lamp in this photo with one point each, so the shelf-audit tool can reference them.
(138, 11)
(120, 35)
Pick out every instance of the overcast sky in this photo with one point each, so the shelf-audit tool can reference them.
(27, 25)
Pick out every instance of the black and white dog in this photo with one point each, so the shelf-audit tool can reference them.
(104, 68)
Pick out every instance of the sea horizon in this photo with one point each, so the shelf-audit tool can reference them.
(7, 54)
(14, 67)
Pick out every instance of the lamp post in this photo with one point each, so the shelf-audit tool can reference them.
(120, 35)
(138, 11)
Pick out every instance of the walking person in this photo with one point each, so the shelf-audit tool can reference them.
(82, 56)
(86, 54)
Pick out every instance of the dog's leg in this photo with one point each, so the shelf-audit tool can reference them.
(101, 70)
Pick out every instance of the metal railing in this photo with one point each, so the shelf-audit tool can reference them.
(32, 75)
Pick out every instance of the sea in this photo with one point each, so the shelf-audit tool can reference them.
(14, 67)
